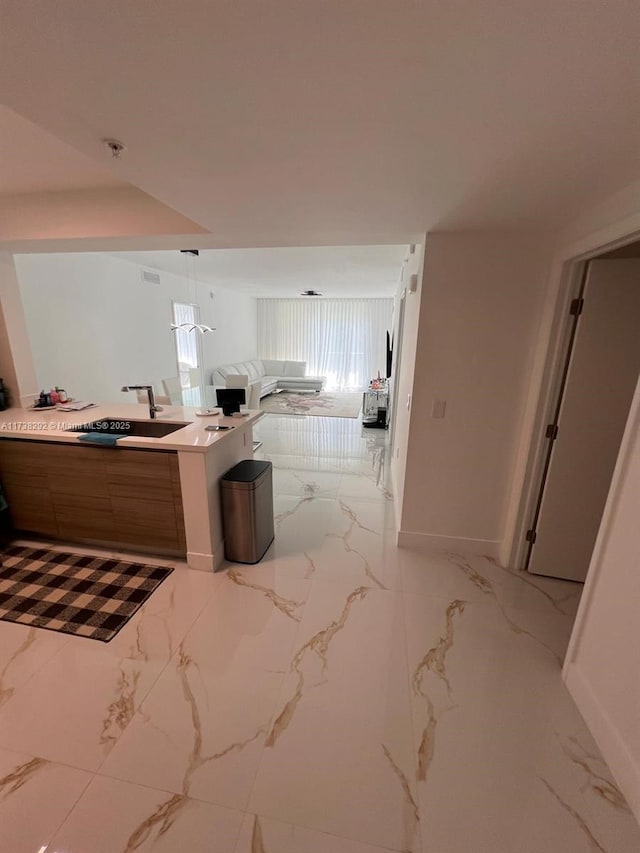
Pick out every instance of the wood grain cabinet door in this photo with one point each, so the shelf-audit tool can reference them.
(26, 487)
(78, 492)
(143, 500)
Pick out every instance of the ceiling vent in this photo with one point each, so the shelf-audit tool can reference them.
(150, 277)
(310, 293)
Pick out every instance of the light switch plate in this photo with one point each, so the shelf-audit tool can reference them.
(438, 408)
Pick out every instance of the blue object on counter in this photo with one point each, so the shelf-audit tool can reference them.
(106, 439)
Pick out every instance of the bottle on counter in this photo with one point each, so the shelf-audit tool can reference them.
(54, 397)
(62, 395)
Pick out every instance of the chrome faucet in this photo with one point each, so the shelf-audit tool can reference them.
(152, 401)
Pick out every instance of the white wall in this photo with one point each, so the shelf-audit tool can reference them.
(234, 317)
(406, 353)
(602, 669)
(481, 301)
(16, 363)
(94, 325)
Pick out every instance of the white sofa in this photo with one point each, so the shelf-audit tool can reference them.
(270, 375)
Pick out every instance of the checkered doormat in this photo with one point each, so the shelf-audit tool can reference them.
(73, 593)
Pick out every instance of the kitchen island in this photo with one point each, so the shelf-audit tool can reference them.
(156, 495)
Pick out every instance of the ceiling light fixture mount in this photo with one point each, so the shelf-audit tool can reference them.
(115, 146)
(310, 293)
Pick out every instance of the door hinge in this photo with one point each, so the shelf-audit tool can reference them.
(531, 536)
(551, 432)
(576, 307)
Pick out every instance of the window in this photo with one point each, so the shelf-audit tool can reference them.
(188, 352)
(341, 339)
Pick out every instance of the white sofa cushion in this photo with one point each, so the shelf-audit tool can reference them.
(272, 367)
(275, 367)
(252, 370)
(246, 367)
(294, 368)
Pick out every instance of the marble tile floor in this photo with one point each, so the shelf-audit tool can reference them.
(341, 696)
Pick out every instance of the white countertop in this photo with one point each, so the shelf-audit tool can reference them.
(51, 425)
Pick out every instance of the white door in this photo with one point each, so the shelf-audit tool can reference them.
(603, 373)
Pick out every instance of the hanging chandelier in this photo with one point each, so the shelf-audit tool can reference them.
(193, 295)
(191, 327)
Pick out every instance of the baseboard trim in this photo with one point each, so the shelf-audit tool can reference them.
(426, 541)
(622, 764)
(205, 562)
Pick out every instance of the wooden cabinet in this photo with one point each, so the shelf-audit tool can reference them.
(108, 496)
(26, 488)
(31, 507)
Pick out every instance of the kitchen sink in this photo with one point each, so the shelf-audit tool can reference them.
(121, 426)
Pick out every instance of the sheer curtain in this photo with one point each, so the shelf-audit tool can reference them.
(342, 339)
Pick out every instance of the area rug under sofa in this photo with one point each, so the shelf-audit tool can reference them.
(338, 404)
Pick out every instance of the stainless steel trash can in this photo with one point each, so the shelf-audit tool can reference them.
(247, 511)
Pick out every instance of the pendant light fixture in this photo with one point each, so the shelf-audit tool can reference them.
(190, 328)
(193, 296)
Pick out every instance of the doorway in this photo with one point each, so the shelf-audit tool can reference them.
(595, 382)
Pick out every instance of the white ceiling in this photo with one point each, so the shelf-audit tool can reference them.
(341, 122)
(335, 271)
(32, 160)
